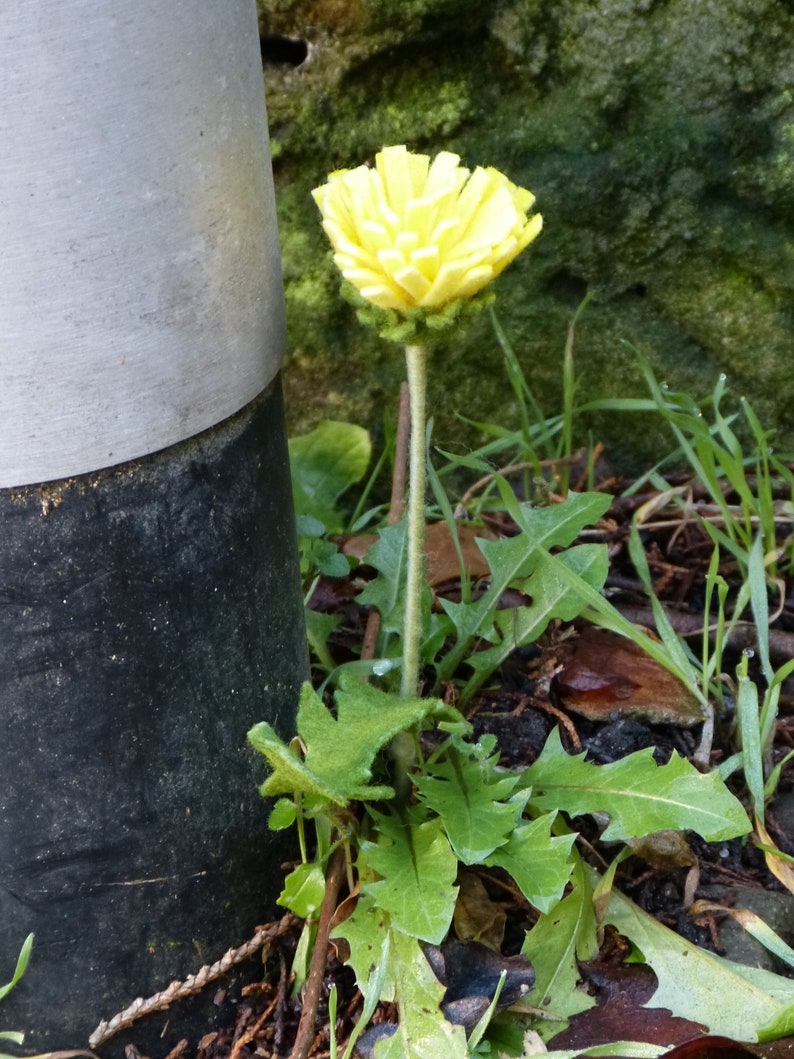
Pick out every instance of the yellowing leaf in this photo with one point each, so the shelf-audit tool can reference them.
(781, 868)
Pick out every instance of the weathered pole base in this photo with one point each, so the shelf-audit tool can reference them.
(149, 615)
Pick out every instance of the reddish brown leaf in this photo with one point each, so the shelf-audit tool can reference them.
(604, 674)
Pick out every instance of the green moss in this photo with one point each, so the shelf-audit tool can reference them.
(658, 136)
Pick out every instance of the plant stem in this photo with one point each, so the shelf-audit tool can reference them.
(412, 630)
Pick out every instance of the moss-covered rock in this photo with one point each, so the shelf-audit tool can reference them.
(658, 136)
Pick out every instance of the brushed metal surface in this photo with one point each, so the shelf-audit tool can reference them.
(140, 287)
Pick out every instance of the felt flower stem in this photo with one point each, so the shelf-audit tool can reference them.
(412, 630)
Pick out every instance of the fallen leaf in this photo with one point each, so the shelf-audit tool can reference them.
(477, 917)
(710, 1048)
(604, 674)
(664, 850)
(441, 558)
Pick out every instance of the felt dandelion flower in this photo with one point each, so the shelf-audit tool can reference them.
(419, 241)
(409, 233)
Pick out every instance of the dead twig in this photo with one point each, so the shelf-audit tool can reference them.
(192, 984)
(252, 1031)
(314, 981)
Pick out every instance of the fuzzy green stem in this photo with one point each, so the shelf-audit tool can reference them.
(412, 630)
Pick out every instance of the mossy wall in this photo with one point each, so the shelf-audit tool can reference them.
(658, 136)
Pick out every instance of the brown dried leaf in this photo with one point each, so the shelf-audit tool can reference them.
(604, 674)
(782, 869)
(441, 558)
(477, 917)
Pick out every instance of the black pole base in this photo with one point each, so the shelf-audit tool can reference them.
(149, 615)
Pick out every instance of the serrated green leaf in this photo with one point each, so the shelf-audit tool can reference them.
(550, 598)
(417, 869)
(422, 1031)
(471, 799)
(539, 863)
(639, 796)
(304, 889)
(558, 939)
(557, 525)
(730, 999)
(323, 465)
(340, 750)
(366, 931)
(388, 555)
(515, 558)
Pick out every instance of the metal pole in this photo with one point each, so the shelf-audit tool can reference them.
(150, 606)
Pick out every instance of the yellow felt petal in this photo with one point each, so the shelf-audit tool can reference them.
(445, 234)
(384, 298)
(376, 235)
(474, 280)
(391, 260)
(491, 223)
(445, 286)
(426, 259)
(412, 281)
(471, 197)
(420, 217)
(444, 174)
(418, 165)
(406, 242)
(394, 170)
(356, 252)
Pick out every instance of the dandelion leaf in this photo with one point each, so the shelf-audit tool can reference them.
(558, 939)
(417, 868)
(470, 797)
(340, 750)
(422, 1031)
(539, 863)
(639, 796)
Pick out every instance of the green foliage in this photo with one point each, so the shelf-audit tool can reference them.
(337, 766)
(694, 983)
(421, 1034)
(415, 872)
(324, 465)
(467, 811)
(639, 796)
(564, 934)
(515, 562)
(458, 807)
(21, 966)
